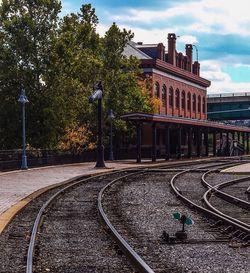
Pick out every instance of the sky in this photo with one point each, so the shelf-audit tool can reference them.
(220, 29)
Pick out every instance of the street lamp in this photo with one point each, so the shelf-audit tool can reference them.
(111, 117)
(97, 95)
(23, 99)
(196, 53)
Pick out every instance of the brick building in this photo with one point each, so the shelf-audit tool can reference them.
(176, 79)
(180, 127)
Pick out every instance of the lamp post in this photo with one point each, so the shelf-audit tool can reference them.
(111, 117)
(23, 100)
(97, 95)
(196, 53)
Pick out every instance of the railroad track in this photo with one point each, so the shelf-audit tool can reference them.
(118, 217)
(67, 236)
(235, 227)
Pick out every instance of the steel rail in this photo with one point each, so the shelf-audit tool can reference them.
(206, 184)
(73, 182)
(236, 222)
(201, 209)
(134, 258)
(226, 196)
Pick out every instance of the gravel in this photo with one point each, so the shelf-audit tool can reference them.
(147, 204)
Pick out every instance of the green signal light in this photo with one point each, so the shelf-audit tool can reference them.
(189, 222)
(177, 215)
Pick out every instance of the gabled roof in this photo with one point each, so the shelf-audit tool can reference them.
(131, 50)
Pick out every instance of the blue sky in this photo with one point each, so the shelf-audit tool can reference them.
(220, 30)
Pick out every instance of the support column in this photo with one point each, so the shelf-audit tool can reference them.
(238, 137)
(198, 138)
(190, 134)
(154, 142)
(179, 144)
(221, 142)
(167, 142)
(233, 140)
(138, 142)
(247, 135)
(206, 141)
(227, 145)
(243, 142)
(214, 143)
(233, 135)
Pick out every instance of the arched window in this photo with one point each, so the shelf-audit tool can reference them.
(164, 95)
(177, 98)
(171, 96)
(189, 101)
(194, 102)
(199, 103)
(203, 105)
(183, 98)
(157, 90)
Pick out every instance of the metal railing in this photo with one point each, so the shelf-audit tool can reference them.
(223, 95)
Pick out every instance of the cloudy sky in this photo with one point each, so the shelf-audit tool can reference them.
(220, 29)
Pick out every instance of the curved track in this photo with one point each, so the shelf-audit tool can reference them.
(61, 206)
(233, 224)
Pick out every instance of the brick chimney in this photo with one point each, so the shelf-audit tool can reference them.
(189, 53)
(172, 49)
(196, 68)
(161, 51)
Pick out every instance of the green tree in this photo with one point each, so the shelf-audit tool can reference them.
(76, 64)
(58, 64)
(121, 79)
(81, 57)
(27, 30)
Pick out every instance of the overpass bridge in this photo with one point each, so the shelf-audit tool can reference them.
(228, 106)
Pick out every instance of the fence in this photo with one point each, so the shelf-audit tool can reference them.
(11, 159)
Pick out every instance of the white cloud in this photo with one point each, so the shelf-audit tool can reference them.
(146, 35)
(188, 39)
(210, 69)
(221, 16)
(221, 82)
(101, 29)
(232, 87)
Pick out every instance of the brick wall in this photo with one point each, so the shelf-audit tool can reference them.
(179, 108)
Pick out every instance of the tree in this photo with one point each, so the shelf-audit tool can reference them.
(76, 64)
(58, 62)
(122, 75)
(27, 30)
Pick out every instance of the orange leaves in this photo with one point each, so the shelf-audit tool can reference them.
(76, 139)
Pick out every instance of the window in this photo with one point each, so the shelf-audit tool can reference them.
(164, 95)
(194, 102)
(171, 98)
(183, 98)
(199, 104)
(177, 98)
(203, 105)
(157, 90)
(189, 101)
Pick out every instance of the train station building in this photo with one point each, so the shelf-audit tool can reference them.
(180, 127)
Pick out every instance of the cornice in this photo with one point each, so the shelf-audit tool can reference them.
(174, 70)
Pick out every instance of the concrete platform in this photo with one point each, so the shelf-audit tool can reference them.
(18, 188)
(240, 169)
